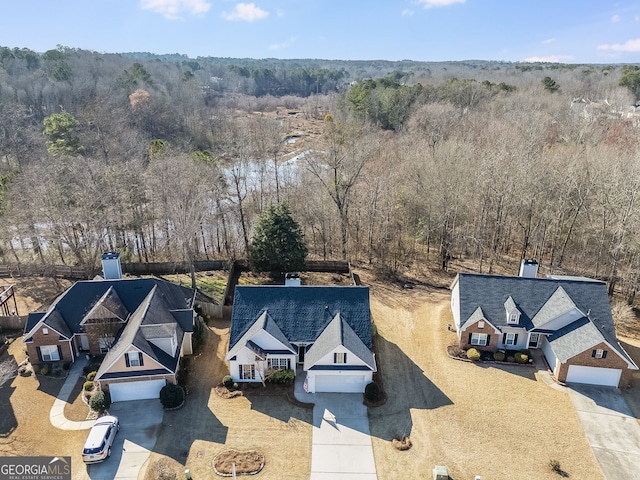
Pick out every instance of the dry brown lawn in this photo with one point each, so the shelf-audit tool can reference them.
(207, 425)
(632, 395)
(25, 428)
(497, 422)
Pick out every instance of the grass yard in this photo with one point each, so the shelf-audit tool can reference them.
(497, 422)
(207, 425)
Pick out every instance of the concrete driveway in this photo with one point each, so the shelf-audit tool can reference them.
(341, 442)
(611, 429)
(140, 422)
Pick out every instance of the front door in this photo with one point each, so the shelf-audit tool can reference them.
(301, 349)
(533, 340)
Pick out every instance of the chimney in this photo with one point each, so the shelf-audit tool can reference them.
(111, 269)
(292, 279)
(528, 268)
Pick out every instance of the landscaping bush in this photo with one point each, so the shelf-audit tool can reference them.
(521, 357)
(88, 386)
(91, 376)
(100, 401)
(372, 392)
(511, 359)
(281, 377)
(200, 332)
(498, 356)
(227, 381)
(171, 396)
(473, 354)
(44, 370)
(526, 351)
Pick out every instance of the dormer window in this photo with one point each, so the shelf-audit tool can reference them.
(513, 318)
(513, 314)
(133, 359)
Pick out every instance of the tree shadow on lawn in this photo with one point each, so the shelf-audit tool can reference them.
(278, 406)
(8, 421)
(407, 387)
(182, 427)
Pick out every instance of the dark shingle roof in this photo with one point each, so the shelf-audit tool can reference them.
(530, 294)
(302, 312)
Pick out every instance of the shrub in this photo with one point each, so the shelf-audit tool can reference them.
(200, 332)
(521, 357)
(66, 365)
(100, 401)
(24, 371)
(372, 392)
(511, 359)
(473, 354)
(44, 370)
(498, 356)
(171, 396)
(227, 381)
(91, 376)
(88, 386)
(282, 377)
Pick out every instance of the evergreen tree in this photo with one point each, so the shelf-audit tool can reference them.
(278, 244)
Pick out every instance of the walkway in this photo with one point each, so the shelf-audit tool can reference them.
(542, 371)
(341, 442)
(56, 415)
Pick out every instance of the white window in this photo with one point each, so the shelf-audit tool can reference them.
(599, 353)
(247, 371)
(513, 317)
(134, 359)
(49, 353)
(481, 324)
(278, 363)
(478, 339)
(45, 331)
(510, 339)
(339, 358)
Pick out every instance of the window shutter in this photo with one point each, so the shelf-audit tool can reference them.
(126, 359)
(59, 352)
(470, 338)
(335, 358)
(488, 339)
(345, 358)
(240, 372)
(604, 354)
(504, 338)
(593, 353)
(39, 353)
(515, 339)
(288, 364)
(140, 357)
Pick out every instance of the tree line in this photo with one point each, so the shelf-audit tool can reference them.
(174, 159)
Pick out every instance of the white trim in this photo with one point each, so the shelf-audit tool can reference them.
(467, 324)
(107, 369)
(41, 322)
(479, 335)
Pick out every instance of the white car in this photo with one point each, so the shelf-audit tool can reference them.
(98, 445)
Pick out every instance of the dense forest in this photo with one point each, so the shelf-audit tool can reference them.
(389, 163)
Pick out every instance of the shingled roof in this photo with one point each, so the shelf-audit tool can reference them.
(301, 313)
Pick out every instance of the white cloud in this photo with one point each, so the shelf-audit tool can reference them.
(280, 46)
(615, 18)
(548, 41)
(628, 46)
(246, 12)
(173, 8)
(438, 3)
(406, 12)
(549, 59)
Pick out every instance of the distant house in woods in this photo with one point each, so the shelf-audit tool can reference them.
(322, 332)
(568, 318)
(142, 326)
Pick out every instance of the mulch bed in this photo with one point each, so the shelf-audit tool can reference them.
(246, 463)
(258, 390)
(455, 352)
(401, 444)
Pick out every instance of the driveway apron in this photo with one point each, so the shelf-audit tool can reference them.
(341, 442)
(611, 429)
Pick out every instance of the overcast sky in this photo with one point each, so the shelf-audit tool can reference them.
(569, 31)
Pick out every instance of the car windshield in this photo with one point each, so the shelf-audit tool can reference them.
(93, 451)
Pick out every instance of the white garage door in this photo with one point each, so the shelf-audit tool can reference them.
(593, 375)
(340, 383)
(121, 392)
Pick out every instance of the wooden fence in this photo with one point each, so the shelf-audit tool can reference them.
(13, 322)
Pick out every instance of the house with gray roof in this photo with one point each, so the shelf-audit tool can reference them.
(142, 326)
(322, 332)
(568, 318)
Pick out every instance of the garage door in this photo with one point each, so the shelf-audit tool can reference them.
(593, 375)
(121, 392)
(340, 383)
